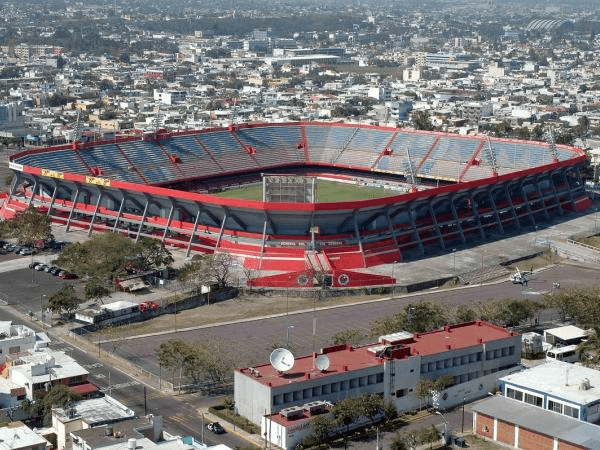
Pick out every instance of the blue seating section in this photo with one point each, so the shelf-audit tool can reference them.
(227, 151)
(365, 147)
(60, 160)
(325, 143)
(112, 161)
(274, 145)
(216, 152)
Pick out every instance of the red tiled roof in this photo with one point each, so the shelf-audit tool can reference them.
(82, 389)
(345, 358)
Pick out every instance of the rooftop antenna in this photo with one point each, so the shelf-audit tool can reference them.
(282, 359)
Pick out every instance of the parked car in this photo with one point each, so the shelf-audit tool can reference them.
(40, 267)
(67, 276)
(55, 270)
(216, 428)
(33, 264)
(25, 251)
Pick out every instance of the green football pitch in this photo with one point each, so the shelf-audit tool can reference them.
(327, 191)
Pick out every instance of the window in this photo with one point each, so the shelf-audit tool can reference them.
(431, 367)
(555, 406)
(571, 412)
(316, 391)
(423, 368)
(325, 389)
(287, 397)
(277, 399)
(511, 350)
(534, 400)
(335, 387)
(456, 361)
(297, 395)
(447, 363)
(362, 381)
(306, 393)
(489, 355)
(479, 356)
(400, 392)
(344, 385)
(372, 379)
(379, 377)
(464, 359)
(504, 351)
(353, 383)
(517, 395)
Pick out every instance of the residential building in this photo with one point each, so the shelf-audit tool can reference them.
(523, 426)
(564, 388)
(18, 436)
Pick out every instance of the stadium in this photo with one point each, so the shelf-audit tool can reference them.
(435, 191)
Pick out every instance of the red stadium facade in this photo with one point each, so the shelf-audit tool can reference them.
(452, 191)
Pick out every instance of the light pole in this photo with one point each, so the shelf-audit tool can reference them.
(445, 427)
(287, 335)
(462, 427)
(42, 296)
(454, 260)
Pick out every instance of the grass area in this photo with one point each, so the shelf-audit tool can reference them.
(594, 240)
(327, 191)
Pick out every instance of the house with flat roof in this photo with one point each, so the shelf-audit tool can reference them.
(475, 354)
(86, 414)
(568, 389)
(18, 436)
(527, 427)
(566, 335)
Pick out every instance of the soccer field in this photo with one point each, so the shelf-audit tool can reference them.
(327, 191)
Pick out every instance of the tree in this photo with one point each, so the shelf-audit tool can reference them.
(421, 121)
(348, 336)
(110, 255)
(206, 270)
(321, 428)
(346, 412)
(63, 301)
(96, 290)
(30, 226)
(59, 395)
(398, 443)
(172, 355)
(389, 410)
(465, 314)
(416, 317)
(589, 350)
(428, 435)
(370, 406)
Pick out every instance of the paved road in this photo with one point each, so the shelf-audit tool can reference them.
(250, 342)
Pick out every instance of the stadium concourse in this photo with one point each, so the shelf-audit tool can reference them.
(453, 191)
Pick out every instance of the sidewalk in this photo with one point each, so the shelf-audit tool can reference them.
(254, 439)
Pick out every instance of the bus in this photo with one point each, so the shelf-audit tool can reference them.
(565, 354)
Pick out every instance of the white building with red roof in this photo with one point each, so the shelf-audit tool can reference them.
(475, 353)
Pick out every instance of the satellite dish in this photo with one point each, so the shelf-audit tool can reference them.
(322, 363)
(282, 359)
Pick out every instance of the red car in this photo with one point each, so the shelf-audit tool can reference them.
(146, 306)
(67, 276)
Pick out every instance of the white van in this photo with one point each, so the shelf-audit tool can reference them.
(565, 354)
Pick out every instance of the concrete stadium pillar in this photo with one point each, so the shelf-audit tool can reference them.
(568, 187)
(496, 215)
(475, 211)
(35, 186)
(72, 209)
(542, 198)
(91, 228)
(457, 219)
(121, 206)
(359, 239)
(52, 199)
(137, 236)
(392, 231)
(512, 207)
(526, 201)
(436, 226)
(196, 220)
(556, 196)
(168, 220)
(414, 230)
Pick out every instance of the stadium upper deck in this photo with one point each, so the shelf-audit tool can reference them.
(484, 188)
